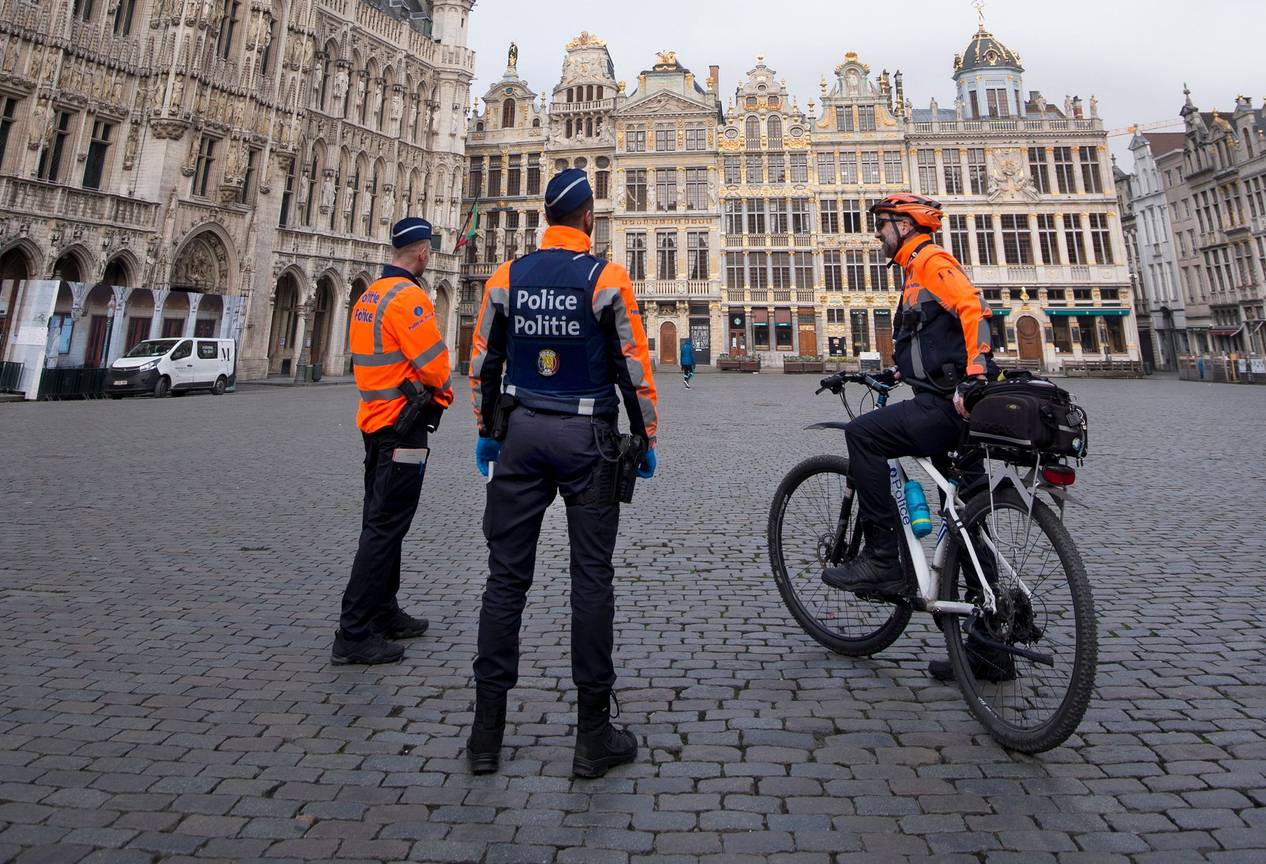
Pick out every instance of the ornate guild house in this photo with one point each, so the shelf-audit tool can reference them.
(744, 225)
(221, 168)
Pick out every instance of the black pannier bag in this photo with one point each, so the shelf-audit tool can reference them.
(1027, 413)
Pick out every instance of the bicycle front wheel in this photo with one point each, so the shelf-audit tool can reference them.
(1028, 703)
(805, 527)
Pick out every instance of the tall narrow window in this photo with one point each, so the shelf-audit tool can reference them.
(514, 174)
(851, 216)
(799, 168)
(826, 167)
(697, 252)
(829, 216)
(696, 188)
(755, 169)
(696, 137)
(666, 254)
(512, 234)
(98, 150)
(601, 184)
(832, 272)
(866, 118)
(1037, 170)
(1047, 241)
(634, 140)
(734, 274)
(733, 216)
(8, 108)
(927, 172)
(774, 127)
(733, 171)
(758, 271)
(475, 177)
(998, 105)
(756, 216)
(801, 217)
(778, 221)
(893, 175)
(287, 195)
(976, 171)
(123, 15)
(534, 173)
(665, 139)
(804, 270)
(777, 168)
(1017, 244)
(1073, 238)
(82, 10)
(880, 275)
(50, 166)
(507, 114)
(870, 166)
(1064, 170)
(247, 193)
(228, 28)
(529, 232)
(752, 136)
(959, 244)
(665, 189)
(352, 197)
(952, 160)
(1101, 242)
(854, 270)
(202, 168)
(844, 118)
(780, 268)
(310, 198)
(1091, 175)
(848, 168)
(635, 190)
(985, 248)
(494, 176)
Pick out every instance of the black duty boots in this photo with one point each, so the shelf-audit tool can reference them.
(599, 745)
(483, 749)
(876, 569)
(370, 651)
(401, 625)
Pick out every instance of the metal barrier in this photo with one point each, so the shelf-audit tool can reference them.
(78, 383)
(10, 377)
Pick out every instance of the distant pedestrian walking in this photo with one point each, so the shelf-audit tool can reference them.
(687, 361)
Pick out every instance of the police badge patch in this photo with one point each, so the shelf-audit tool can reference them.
(547, 363)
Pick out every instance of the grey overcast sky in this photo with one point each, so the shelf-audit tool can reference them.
(1133, 56)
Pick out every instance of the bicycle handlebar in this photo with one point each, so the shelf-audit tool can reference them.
(835, 383)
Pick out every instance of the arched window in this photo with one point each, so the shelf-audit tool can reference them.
(753, 133)
(327, 77)
(507, 114)
(775, 132)
(353, 199)
(371, 230)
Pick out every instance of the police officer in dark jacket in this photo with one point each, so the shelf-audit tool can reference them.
(558, 334)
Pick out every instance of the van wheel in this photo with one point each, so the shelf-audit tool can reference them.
(163, 388)
(221, 384)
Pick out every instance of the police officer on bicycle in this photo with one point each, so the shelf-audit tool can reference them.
(558, 332)
(942, 351)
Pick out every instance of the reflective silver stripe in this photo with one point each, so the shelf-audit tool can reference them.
(380, 395)
(585, 406)
(1024, 441)
(382, 307)
(429, 354)
(595, 267)
(511, 389)
(448, 382)
(367, 360)
(570, 187)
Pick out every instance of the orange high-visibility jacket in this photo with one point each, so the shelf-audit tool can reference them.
(614, 309)
(394, 336)
(942, 321)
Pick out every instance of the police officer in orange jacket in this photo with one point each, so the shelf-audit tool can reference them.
(558, 334)
(402, 372)
(941, 347)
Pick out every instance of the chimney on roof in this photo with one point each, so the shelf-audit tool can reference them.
(714, 74)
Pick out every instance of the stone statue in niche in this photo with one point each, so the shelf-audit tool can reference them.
(358, 95)
(340, 84)
(327, 193)
(397, 108)
(129, 149)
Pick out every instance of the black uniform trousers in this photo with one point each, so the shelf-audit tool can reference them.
(543, 455)
(392, 489)
(926, 425)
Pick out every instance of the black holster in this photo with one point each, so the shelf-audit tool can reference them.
(501, 416)
(615, 474)
(419, 407)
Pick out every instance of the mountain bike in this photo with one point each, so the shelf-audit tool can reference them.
(1004, 582)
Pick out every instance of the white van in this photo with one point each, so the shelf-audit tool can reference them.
(165, 366)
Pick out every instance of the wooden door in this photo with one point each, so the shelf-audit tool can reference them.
(465, 341)
(883, 335)
(668, 344)
(137, 332)
(808, 342)
(1029, 334)
(98, 335)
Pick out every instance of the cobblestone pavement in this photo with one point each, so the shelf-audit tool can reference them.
(170, 573)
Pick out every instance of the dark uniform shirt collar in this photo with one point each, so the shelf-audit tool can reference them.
(391, 271)
(565, 237)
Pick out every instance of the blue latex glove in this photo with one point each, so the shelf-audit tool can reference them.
(646, 468)
(486, 450)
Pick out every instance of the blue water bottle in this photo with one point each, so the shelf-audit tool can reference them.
(917, 504)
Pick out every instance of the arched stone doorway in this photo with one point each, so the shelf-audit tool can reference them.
(118, 273)
(1028, 334)
(138, 315)
(15, 269)
(285, 320)
(201, 265)
(322, 319)
(668, 343)
(94, 340)
(68, 268)
(443, 306)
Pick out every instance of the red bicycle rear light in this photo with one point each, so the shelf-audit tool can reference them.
(1059, 475)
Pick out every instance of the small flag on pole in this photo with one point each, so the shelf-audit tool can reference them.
(469, 227)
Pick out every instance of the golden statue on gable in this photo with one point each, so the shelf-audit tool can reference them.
(667, 58)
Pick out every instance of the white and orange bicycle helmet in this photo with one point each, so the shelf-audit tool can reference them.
(925, 212)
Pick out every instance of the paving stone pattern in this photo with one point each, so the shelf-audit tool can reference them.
(169, 582)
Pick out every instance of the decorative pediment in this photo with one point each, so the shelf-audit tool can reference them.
(662, 103)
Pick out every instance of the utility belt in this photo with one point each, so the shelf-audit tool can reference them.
(420, 407)
(614, 475)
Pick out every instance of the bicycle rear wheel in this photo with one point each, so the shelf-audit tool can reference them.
(1044, 605)
(804, 524)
